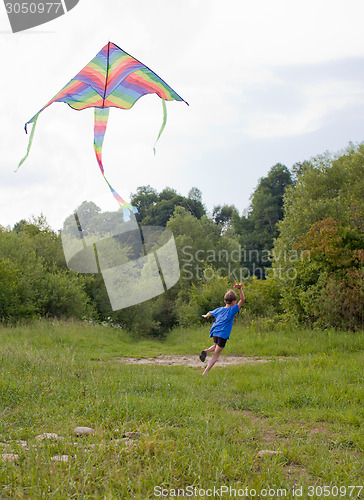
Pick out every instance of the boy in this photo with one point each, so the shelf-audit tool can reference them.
(222, 326)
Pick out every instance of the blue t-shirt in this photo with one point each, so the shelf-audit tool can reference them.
(224, 318)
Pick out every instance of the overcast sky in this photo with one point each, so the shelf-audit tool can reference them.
(266, 82)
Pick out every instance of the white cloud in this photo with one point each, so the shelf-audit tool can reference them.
(320, 101)
(223, 56)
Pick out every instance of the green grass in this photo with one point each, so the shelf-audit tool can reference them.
(195, 431)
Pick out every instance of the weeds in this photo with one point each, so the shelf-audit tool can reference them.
(192, 430)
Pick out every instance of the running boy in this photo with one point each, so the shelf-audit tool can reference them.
(222, 326)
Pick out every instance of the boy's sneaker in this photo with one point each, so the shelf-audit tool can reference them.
(203, 356)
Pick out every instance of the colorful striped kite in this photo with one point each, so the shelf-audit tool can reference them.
(112, 79)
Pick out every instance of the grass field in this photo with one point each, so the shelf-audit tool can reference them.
(193, 433)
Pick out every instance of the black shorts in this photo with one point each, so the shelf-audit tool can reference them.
(220, 341)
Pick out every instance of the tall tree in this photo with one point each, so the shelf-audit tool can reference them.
(258, 230)
(194, 203)
(143, 199)
(224, 214)
(155, 209)
(324, 216)
(200, 244)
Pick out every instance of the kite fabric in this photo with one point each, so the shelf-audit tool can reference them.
(112, 79)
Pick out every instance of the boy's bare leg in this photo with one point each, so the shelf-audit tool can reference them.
(213, 359)
(211, 349)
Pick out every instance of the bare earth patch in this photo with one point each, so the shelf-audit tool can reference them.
(193, 361)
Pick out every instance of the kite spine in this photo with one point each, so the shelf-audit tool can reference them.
(107, 73)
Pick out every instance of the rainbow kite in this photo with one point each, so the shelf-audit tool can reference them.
(112, 79)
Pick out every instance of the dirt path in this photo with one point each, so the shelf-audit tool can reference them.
(193, 361)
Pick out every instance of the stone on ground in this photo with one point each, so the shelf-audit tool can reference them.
(263, 453)
(48, 435)
(83, 431)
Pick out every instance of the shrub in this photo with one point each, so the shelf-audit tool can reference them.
(203, 297)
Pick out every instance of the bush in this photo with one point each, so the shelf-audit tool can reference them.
(63, 296)
(33, 282)
(14, 303)
(202, 298)
(262, 298)
(328, 285)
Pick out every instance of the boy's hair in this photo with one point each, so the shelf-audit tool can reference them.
(230, 297)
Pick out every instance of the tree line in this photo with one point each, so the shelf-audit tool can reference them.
(299, 250)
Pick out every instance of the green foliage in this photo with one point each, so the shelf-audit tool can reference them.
(153, 318)
(63, 296)
(14, 292)
(144, 198)
(263, 298)
(34, 281)
(324, 224)
(318, 254)
(258, 230)
(224, 214)
(331, 187)
(88, 220)
(329, 277)
(203, 297)
(209, 260)
(155, 209)
(200, 243)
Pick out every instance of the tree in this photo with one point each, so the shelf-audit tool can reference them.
(143, 199)
(298, 169)
(194, 194)
(267, 205)
(223, 215)
(318, 255)
(202, 250)
(258, 230)
(155, 209)
(194, 203)
(331, 187)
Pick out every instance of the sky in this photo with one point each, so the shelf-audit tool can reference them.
(266, 82)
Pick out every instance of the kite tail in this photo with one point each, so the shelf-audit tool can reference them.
(101, 118)
(34, 121)
(163, 124)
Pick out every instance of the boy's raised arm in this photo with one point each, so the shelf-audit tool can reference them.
(208, 315)
(241, 293)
